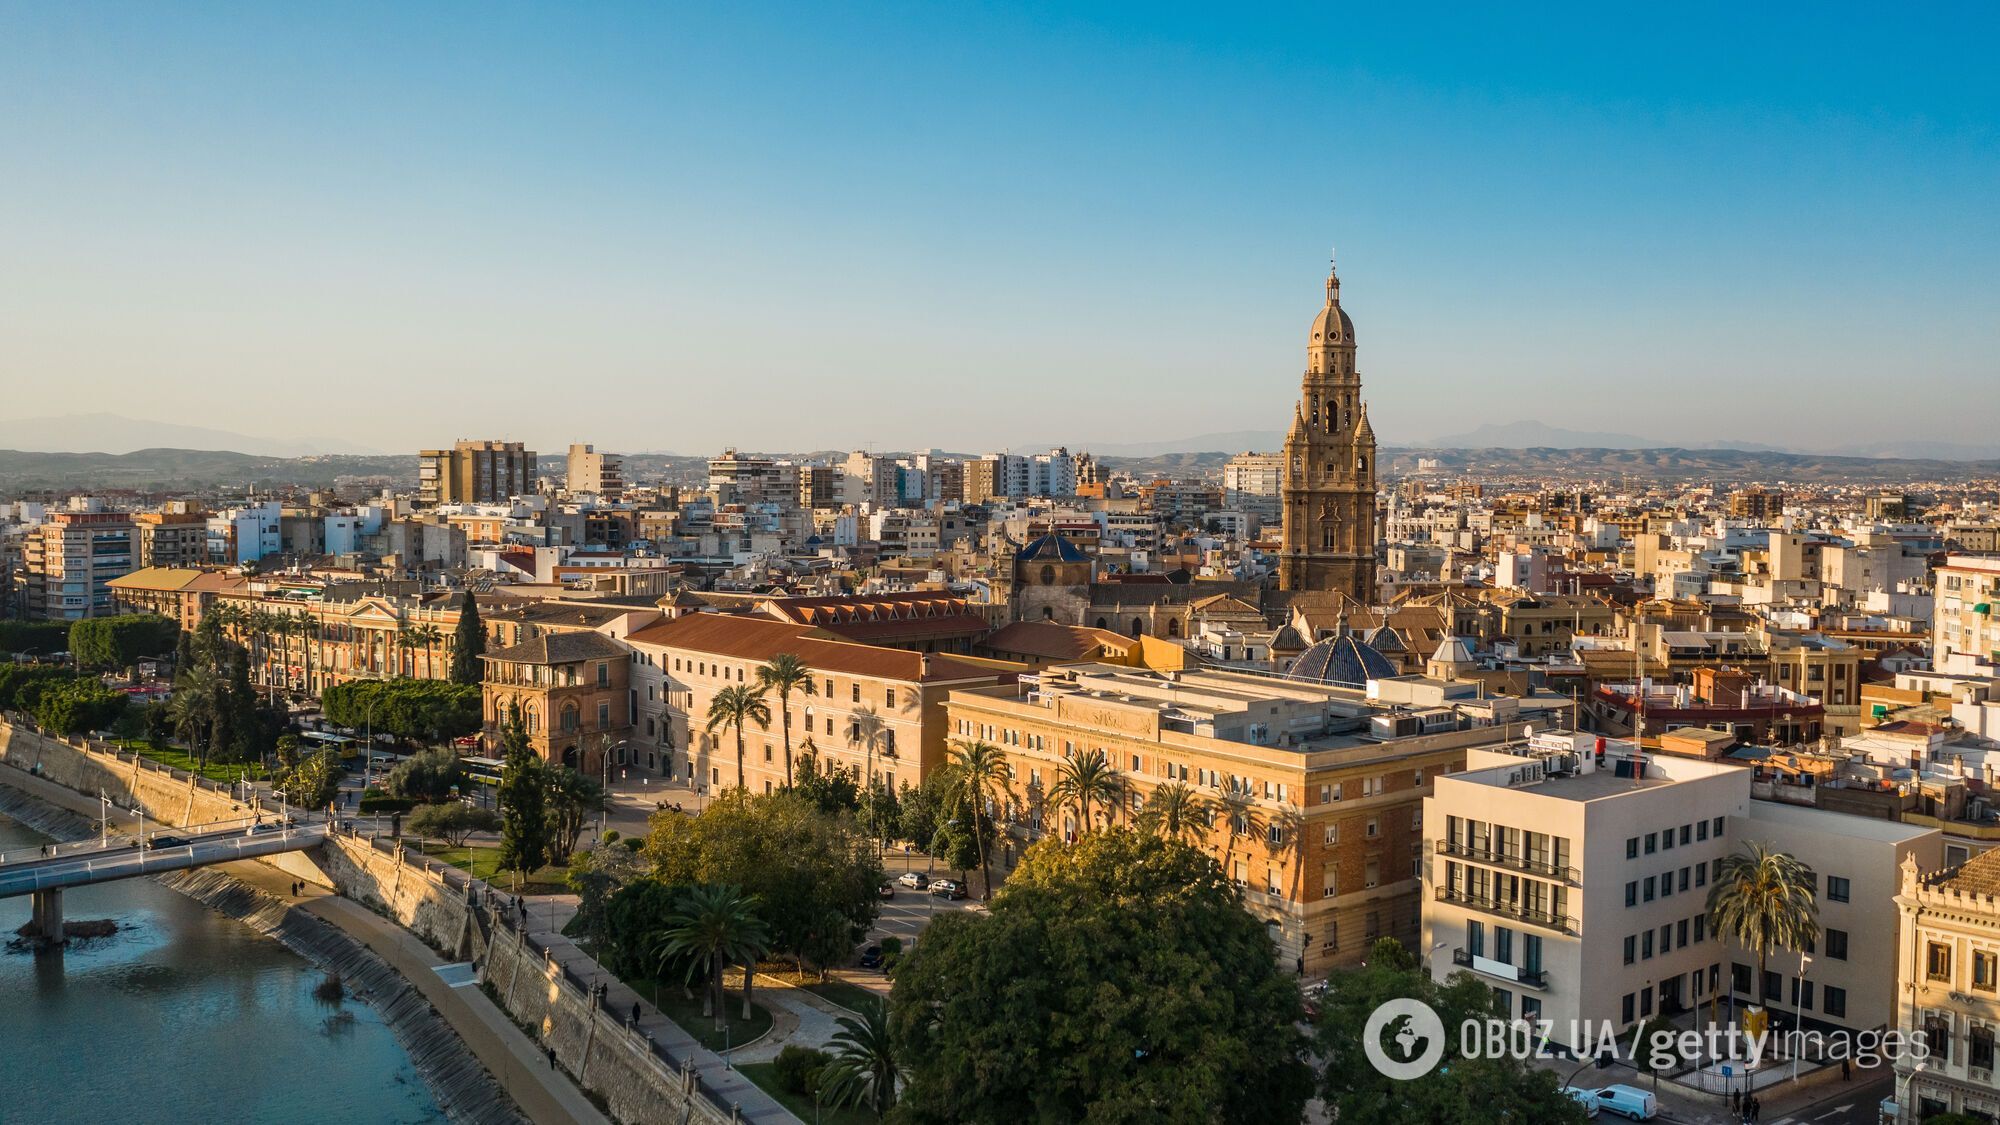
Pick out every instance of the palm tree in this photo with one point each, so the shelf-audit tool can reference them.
(871, 732)
(784, 674)
(1764, 898)
(427, 637)
(310, 631)
(864, 1067)
(715, 926)
(978, 769)
(193, 709)
(1086, 779)
(1174, 812)
(732, 707)
(406, 643)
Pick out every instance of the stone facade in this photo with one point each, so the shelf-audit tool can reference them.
(1329, 490)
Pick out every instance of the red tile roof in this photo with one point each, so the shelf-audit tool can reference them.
(751, 637)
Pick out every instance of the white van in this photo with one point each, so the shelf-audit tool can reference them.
(1628, 1101)
(1585, 1098)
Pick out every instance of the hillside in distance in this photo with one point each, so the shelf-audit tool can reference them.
(1713, 465)
(171, 469)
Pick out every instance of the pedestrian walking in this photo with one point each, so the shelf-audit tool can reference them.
(1756, 1109)
(1845, 1071)
(1736, 1102)
(552, 1058)
(635, 1013)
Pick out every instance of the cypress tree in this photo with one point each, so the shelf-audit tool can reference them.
(523, 800)
(468, 643)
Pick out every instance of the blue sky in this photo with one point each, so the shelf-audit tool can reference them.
(656, 227)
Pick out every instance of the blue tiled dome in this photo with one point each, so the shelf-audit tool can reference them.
(1052, 548)
(1347, 661)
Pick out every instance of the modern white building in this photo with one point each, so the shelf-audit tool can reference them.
(1577, 885)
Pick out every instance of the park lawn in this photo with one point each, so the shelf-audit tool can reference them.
(226, 773)
(844, 993)
(668, 997)
(482, 861)
(766, 1075)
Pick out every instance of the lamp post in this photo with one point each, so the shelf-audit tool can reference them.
(1798, 1012)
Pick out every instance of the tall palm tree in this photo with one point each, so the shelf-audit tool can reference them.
(979, 769)
(310, 630)
(713, 927)
(1765, 899)
(786, 673)
(864, 1067)
(193, 709)
(1175, 811)
(427, 636)
(1084, 780)
(732, 707)
(406, 645)
(872, 733)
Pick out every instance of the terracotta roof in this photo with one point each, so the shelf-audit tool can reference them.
(164, 579)
(756, 638)
(559, 648)
(1053, 641)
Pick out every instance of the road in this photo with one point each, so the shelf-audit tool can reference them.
(100, 865)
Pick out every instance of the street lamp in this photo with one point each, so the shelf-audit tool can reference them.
(1798, 1012)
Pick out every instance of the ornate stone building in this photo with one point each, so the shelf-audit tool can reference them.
(1329, 489)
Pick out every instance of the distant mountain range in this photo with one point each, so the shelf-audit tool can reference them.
(115, 433)
(165, 470)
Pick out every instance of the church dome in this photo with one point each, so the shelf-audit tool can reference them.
(1332, 326)
(1051, 548)
(1344, 661)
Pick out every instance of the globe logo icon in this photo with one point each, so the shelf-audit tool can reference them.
(1403, 1039)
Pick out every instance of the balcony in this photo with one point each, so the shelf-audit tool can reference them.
(1500, 970)
(1519, 912)
(1522, 864)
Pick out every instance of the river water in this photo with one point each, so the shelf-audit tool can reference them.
(184, 1016)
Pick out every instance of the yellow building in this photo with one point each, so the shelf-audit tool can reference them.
(1314, 790)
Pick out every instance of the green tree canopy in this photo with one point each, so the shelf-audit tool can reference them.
(468, 644)
(801, 863)
(120, 642)
(524, 801)
(1459, 1091)
(33, 638)
(77, 705)
(1118, 980)
(313, 782)
(452, 821)
(414, 710)
(428, 776)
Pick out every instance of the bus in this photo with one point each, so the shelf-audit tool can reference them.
(346, 746)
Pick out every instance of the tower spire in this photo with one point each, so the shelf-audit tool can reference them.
(1332, 277)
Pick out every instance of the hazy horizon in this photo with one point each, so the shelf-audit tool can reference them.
(793, 228)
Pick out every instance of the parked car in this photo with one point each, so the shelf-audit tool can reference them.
(871, 957)
(1585, 1098)
(886, 890)
(948, 888)
(912, 879)
(1628, 1101)
(164, 840)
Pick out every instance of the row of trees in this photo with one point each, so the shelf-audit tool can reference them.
(59, 699)
(122, 641)
(410, 709)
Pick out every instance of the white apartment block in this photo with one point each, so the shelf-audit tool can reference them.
(1965, 636)
(1580, 892)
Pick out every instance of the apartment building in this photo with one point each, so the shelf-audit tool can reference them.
(475, 472)
(1948, 962)
(593, 473)
(879, 711)
(69, 561)
(1252, 482)
(1313, 791)
(171, 539)
(1575, 883)
(1964, 633)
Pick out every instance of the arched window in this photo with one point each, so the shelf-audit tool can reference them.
(1173, 626)
(1048, 613)
(569, 717)
(1048, 575)
(1103, 624)
(1138, 626)
(1361, 465)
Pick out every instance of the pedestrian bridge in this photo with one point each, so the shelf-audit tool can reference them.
(45, 873)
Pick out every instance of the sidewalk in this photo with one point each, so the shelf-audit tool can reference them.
(718, 1075)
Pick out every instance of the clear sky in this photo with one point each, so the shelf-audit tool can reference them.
(670, 228)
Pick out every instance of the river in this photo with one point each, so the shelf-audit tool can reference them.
(184, 1015)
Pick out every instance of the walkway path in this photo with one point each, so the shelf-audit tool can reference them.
(719, 1075)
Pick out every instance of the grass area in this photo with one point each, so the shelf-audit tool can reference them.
(482, 861)
(766, 1075)
(687, 1012)
(844, 993)
(228, 774)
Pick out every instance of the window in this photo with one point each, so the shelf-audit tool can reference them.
(1681, 933)
(1717, 826)
(1983, 966)
(1700, 928)
(1686, 834)
(1836, 1001)
(1667, 938)
(1739, 977)
(1646, 946)
(1651, 844)
(1374, 827)
(1836, 889)
(1701, 831)
(1631, 947)
(1701, 874)
(603, 674)
(1836, 947)
(889, 701)
(1475, 938)
(1667, 884)
(1774, 985)
(1632, 848)
(1802, 994)
(1625, 1008)
(1684, 880)
(1632, 893)
(1667, 839)
(603, 715)
(1937, 962)
(1649, 888)
(1982, 1047)
(1332, 833)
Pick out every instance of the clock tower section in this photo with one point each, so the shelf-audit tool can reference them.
(1329, 489)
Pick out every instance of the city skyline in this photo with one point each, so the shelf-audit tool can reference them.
(1613, 229)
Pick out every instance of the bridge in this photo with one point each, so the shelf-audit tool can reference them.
(46, 872)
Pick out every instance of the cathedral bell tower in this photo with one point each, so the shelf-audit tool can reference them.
(1329, 490)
